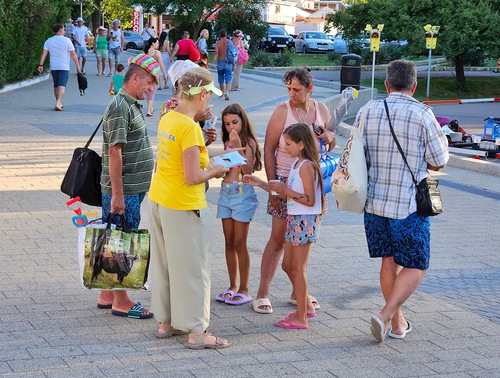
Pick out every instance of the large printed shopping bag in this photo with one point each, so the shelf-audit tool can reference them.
(113, 258)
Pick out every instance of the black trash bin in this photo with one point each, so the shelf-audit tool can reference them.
(350, 74)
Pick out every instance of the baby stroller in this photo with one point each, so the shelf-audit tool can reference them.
(82, 83)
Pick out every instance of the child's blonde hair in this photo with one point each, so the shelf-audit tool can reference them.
(246, 132)
(300, 132)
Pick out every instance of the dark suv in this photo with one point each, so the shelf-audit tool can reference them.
(277, 39)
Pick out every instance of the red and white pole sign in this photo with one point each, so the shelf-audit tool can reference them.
(136, 21)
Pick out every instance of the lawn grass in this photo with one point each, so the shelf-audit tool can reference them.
(311, 60)
(448, 88)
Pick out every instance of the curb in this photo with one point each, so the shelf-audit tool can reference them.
(467, 163)
(25, 83)
(462, 101)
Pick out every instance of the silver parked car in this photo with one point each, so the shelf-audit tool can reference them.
(133, 40)
(313, 41)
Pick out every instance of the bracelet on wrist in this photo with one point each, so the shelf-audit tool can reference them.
(40, 65)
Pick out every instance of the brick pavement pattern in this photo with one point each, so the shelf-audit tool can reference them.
(50, 325)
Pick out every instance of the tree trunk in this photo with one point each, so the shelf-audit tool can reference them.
(96, 21)
(459, 69)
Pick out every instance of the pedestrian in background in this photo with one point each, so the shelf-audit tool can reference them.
(165, 51)
(101, 50)
(182, 47)
(60, 50)
(116, 39)
(148, 33)
(118, 80)
(151, 49)
(202, 45)
(80, 35)
(237, 67)
(394, 230)
(224, 68)
(69, 29)
(127, 166)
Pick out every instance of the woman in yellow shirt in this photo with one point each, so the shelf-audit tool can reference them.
(180, 221)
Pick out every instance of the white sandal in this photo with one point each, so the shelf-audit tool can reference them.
(313, 300)
(258, 303)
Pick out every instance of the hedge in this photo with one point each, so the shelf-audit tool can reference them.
(24, 27)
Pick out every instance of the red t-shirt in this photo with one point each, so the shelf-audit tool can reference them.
(184, 46)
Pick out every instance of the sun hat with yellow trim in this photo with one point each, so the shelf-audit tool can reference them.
(147, 63)
(210, 87)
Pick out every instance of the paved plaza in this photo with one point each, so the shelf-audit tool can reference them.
(50, 325)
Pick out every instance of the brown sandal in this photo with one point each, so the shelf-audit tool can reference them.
(170, 332)
(199, 342)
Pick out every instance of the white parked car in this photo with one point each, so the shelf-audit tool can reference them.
(313, 41)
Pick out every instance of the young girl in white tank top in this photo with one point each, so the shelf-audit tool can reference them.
(305, 201)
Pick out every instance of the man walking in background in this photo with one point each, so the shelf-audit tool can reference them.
(69, 30)
(224, 68)
(60, 50)
(127, 165)
(394, 230)
(80, 33)
(116, 40)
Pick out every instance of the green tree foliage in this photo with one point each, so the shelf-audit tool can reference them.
(465, 25)
(24, 26)
(247, 20)
(117, 9)
(195, 12)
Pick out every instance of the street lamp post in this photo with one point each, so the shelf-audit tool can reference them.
(81, 6)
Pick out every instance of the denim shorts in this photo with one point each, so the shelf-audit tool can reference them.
(407, 240)
(232, 204)
(224, 72)
(115, 52)
(132, 212)
(81, 51)
(301, 229)
(60, 78)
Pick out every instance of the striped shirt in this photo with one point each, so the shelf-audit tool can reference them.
(391, 191)
(123, 122)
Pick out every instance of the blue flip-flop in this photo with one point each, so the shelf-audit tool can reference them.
(236, 302)
(136, 312)
(222, 296)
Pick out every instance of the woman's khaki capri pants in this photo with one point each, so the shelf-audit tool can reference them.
(180, 267)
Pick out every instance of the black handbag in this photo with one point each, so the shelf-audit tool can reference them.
(83, 177)
(82, 83)
(428, 197)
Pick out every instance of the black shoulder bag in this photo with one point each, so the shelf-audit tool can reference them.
(83, 177)
(429, 201)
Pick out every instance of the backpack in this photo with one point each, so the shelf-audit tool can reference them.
(231, 53)
(242, 55)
